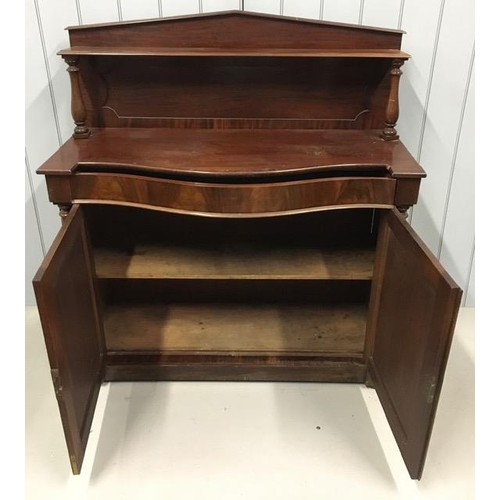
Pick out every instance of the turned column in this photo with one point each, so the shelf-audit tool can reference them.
(392, 110)
(78, 111)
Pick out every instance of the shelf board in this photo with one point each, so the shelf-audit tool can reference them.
(237, 328)
(232, 52)
(235, 261)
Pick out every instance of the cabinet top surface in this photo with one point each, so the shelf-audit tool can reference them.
(240, 153)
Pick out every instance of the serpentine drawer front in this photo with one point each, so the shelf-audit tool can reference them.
(233, 203)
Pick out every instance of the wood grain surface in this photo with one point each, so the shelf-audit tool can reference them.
(139, 367)
(234, 261)
(235, 29)
(232, 52)
(417, 303)
(236, 328)
(67, 301)
(243, 153)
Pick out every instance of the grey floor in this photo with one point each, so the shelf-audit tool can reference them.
(180, 440)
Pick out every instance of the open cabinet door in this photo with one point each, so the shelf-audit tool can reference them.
(66, 298)
(415, 304)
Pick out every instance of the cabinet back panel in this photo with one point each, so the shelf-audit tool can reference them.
(122, 291)
(235, 92)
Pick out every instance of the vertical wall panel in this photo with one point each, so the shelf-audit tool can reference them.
(53, 15)
(421, 23)
(443, 117)
(40, 125)
(145, 9)
(98, 11)
(32, 244)
(342, 11)
(217, 5)
(267, 6)
(384, 13)
(470, 291)
(457, 240)
(297, 8)
(177, 8)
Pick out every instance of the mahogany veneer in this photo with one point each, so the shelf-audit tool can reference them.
(231, 204)
(216, 154)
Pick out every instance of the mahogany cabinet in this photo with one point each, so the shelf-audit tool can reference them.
(233, 204)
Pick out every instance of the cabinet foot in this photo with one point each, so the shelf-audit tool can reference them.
(369, 381)
(64, 209)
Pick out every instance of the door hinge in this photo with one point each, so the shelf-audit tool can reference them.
(56, 380)
(431, 394)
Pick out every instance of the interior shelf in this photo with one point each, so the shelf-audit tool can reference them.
(235, 260)
(237, 328)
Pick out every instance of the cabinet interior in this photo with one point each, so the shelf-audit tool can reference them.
(285, 286)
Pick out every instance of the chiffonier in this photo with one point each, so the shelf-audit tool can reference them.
(233, 202)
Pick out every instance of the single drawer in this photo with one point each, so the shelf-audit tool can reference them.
(233, 199)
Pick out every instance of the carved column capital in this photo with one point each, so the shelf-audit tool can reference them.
(396, 67)
(72, 62)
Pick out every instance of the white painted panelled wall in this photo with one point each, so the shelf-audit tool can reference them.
(437, 104)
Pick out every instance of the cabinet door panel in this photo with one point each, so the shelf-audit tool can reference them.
(417, 304)
(65, 293)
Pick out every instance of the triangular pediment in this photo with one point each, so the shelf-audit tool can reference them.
(230, 29)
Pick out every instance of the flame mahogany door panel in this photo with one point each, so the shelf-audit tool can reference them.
(414, 309)
(66, 297)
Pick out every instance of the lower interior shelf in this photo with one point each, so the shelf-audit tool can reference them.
(237, 328)
(245, 260)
